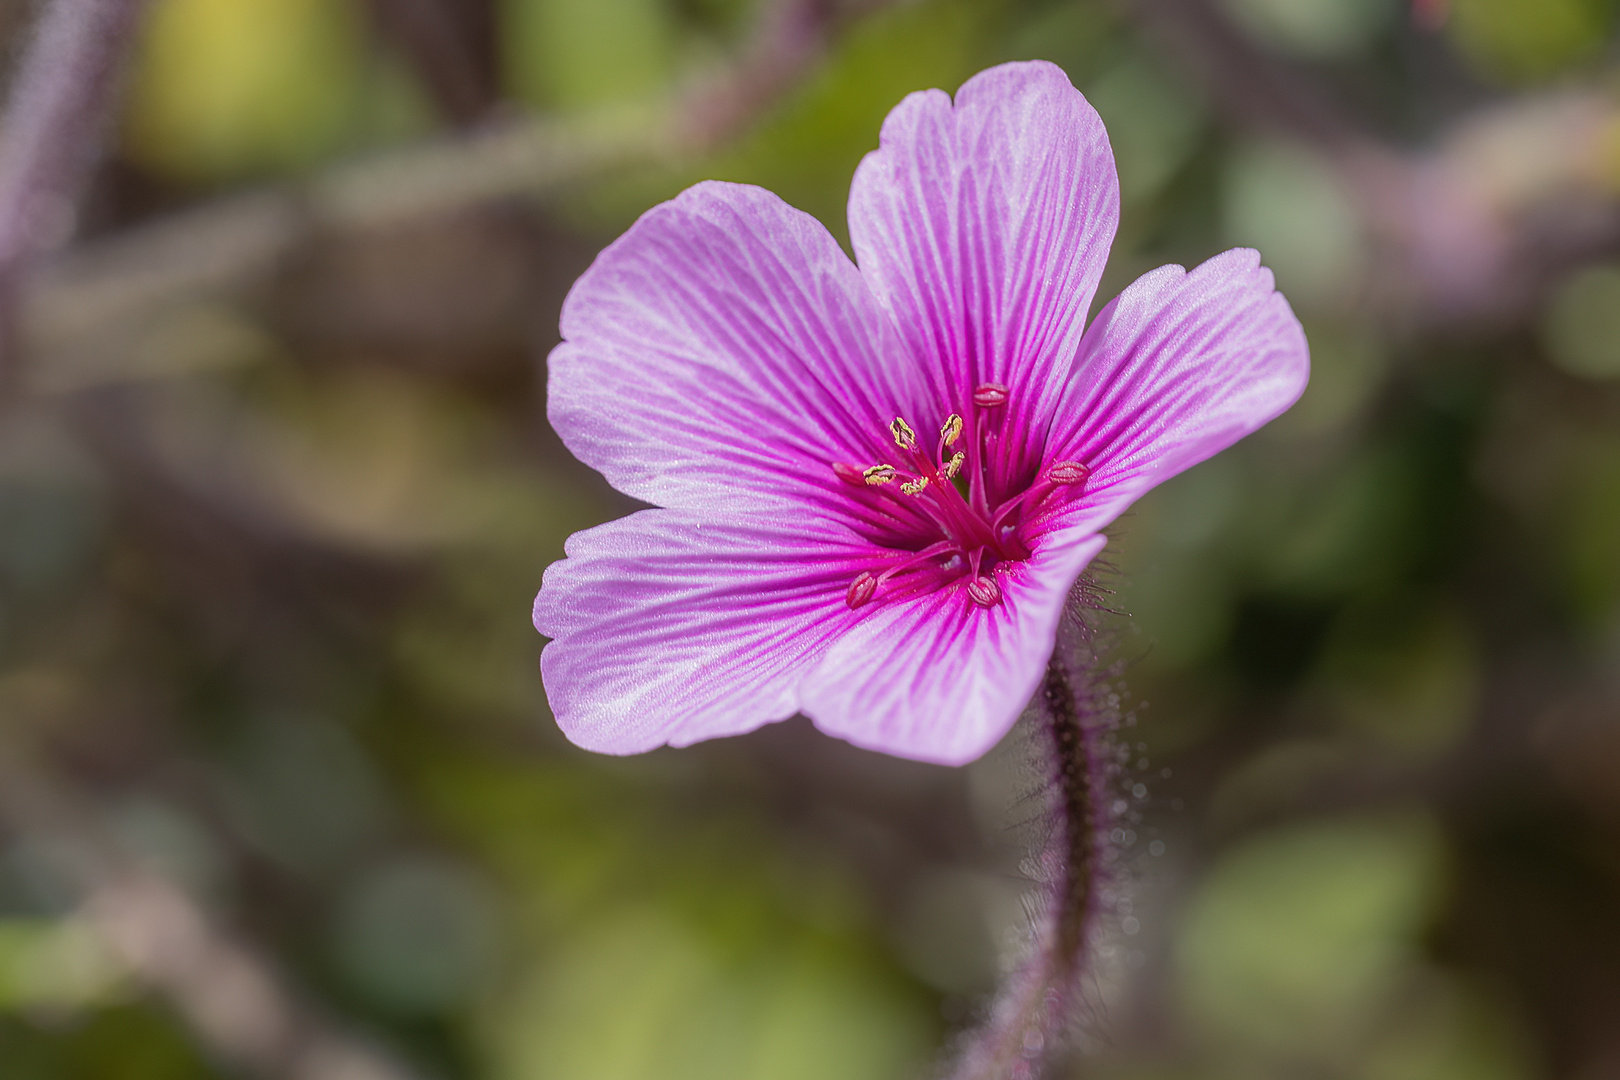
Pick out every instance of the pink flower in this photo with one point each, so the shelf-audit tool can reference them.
(875, 483)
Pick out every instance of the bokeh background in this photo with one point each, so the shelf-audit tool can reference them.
(279, 792)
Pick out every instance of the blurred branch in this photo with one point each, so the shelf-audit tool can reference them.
(438, 37)
(50, 134)
(86, 303)
(793, 35)
(225, 991)
(1469, 229)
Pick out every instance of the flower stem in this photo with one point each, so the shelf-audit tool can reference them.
(1038, 1003)
(1075, 762)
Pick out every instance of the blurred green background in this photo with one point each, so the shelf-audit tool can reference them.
(281, 795)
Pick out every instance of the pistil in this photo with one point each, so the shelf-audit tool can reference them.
(974, 538)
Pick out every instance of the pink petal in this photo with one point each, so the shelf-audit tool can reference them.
(670, 629)
(725, 351)
(939, 678)
(984, 228)
(1177, 368)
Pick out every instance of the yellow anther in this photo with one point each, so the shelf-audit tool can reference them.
(952, 429)
(954, 466)
(914, 487)
(904, 437)
(878, 474)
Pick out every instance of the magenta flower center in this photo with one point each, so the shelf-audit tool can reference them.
(943, 510)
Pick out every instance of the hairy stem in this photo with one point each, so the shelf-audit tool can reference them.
(1039, 1001)
(1076, 794)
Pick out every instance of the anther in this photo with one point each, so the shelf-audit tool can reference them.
(914, 487)
(954, 466)
(849, 474)
(989, 395)
(861, 589)
(1068, 472)
(952, 429)
(904, 437)
(984, 591)
(877, 474)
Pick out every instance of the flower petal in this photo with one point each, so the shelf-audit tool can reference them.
(984, 228)
(1175, 369)
(939, 678)
(725, 349)
(671, 629)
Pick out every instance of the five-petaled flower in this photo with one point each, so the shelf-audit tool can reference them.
(874, 482)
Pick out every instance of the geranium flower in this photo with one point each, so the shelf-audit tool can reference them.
(876, 481)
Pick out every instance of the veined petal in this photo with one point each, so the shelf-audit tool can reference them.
(725, 351)
(938, 677)
(984, 227)
(668, 628)
(1175, 369)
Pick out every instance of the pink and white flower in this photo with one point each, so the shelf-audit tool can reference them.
(876, 481)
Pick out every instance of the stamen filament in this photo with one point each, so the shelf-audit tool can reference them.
(922, 496)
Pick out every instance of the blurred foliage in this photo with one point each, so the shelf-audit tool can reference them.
(1320, 29)
(230, 88)
(265, 567)
(1518, 42)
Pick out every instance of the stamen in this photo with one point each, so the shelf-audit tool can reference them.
(877, 474)
(954, 466)
(989, 395)
(952, 429)
(915, 487)
(1068, 472)
(849, 474)
(861, 589)
(904, 437)
(984, 591)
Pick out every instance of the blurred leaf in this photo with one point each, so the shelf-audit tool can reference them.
(567, 54)
(303, 791)
(1592, 533)
(807, 151)
(636, 995)
(1274, 780)
(170, 841)
(1080, 36)
(47, 532)
(1283, 200)
(807, 147)
(1169, 549)
(368, 459)
(1153, 124)
(228, 88)
(1450, 1032)
(130, 1042)
(1313, 28)
(1581, 329)
(1294, 939)
(1527, 40)
(416, 934)
(1183, 605)
(54, 964)
(1410, 679)
(1348, 368)
(670, 945)
(1350, 526)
